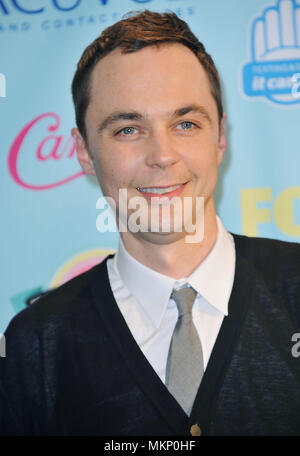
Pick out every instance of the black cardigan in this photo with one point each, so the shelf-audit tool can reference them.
(72, 367)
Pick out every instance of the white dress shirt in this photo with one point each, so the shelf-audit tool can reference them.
(143, 297)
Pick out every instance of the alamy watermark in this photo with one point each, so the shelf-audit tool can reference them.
(2, 85)
(157, 215)
(296, 85)
(296, 347)
(2, 346)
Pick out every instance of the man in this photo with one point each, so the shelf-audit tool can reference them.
(167, 337)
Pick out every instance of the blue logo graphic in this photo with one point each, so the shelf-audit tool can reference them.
(275, 53)
(7, 6)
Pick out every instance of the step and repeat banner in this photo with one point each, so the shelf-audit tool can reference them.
(48, 207)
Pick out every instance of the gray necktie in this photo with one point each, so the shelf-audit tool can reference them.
(185, 360)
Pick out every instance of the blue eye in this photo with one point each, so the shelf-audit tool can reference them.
(186, 125)
(127, 131)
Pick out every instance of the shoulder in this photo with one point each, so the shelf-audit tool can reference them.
(265, 250)
(275, 268)
(57, 307)
(276, 262)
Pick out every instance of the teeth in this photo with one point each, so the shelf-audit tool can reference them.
(159, 190)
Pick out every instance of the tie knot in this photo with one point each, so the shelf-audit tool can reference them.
(184, 299)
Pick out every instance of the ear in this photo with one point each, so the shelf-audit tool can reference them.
(222, 139)
(82, 152)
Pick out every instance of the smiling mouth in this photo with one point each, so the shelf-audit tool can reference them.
(160, 190)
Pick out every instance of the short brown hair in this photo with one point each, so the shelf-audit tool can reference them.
(137, 31)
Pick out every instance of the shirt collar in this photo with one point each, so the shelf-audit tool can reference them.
(152, 289)
(213, 278)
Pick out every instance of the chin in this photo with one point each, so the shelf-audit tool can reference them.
(161, 238)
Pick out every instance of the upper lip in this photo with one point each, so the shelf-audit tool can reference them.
(162, 186)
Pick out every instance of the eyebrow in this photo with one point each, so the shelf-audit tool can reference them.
(134, 115)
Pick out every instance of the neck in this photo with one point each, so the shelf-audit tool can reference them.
(176, 259)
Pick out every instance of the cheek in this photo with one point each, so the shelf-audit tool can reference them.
(202, 160)
(110, 176)
(114, 170)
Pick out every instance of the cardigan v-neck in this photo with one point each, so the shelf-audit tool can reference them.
(143, 372)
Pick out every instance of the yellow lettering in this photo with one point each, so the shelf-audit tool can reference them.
(283, 211)
(251, 214)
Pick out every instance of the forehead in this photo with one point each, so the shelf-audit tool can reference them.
(153, 79)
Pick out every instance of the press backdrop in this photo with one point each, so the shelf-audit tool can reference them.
(48, 208)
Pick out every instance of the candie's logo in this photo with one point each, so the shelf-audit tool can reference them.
(275, 54)
(48, 150)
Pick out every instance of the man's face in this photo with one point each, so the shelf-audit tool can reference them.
(152, 123)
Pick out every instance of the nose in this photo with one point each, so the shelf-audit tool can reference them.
(161, 151)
